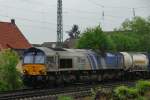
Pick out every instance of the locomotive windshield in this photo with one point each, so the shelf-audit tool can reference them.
(34, 58)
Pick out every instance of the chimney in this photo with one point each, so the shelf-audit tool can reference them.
(13, 21)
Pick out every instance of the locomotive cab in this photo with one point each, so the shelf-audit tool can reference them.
(34, 62)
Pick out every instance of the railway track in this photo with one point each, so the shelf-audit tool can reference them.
(76, 91)
(21, 94)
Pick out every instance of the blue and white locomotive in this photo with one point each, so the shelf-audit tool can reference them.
(57, 66)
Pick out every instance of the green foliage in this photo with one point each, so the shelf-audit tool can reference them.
(139, 30)
(137, 25)
(134, 35)
(65, 98)
(101, 93)
(141, 91)
(145, 42)
(3, 86)
(9, 76)
(124, 42)
(124, 93)
(94, 91)
(143, 87)
(94, 38)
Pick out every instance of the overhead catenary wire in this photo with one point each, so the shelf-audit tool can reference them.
(53, 23)
(35, 11)
(104, 6)
(98, 5)
(66, 10)
(37, 27)
(30, 20)
(36, 20)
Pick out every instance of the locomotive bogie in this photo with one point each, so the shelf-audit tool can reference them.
(34, 81)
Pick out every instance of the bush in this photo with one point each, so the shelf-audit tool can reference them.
(3, 86)
(140, 92)
(125, 93)
(143, 87)
(9, 76)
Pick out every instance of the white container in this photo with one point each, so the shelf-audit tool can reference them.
(127, 60)
(140, 61)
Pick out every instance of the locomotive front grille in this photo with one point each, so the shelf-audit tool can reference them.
(34, 69)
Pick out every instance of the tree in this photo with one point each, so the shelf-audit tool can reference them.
(134, 35)
(139, 30)
(9, 76)
(94, 38)
(74, 32)
(137, 25)
(126, 42)
(73, 36)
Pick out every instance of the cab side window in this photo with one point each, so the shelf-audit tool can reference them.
(50, 61)
(66, 63)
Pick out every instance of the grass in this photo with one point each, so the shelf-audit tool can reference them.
(65, 98)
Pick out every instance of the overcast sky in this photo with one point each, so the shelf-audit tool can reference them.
(37, 18)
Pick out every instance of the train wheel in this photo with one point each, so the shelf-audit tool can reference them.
(59, 81)
(99, 78)
(66, 79)
(51, 81)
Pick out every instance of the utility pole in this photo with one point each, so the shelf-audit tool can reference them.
(59, 24)
(133, 12)
(103, 17)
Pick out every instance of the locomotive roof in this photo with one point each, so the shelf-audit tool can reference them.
(47, 51)
(78, 50)
(73, 52)
(63, 51)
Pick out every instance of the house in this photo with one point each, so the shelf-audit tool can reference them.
(12, 37)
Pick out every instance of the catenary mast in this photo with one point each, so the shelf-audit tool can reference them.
(59, 24)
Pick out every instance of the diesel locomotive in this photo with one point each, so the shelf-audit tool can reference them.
(49, 66)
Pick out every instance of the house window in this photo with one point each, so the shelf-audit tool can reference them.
(66, 63)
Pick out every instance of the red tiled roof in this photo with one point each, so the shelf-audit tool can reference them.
(11, 37)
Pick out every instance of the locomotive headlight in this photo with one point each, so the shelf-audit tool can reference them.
(24, 71)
